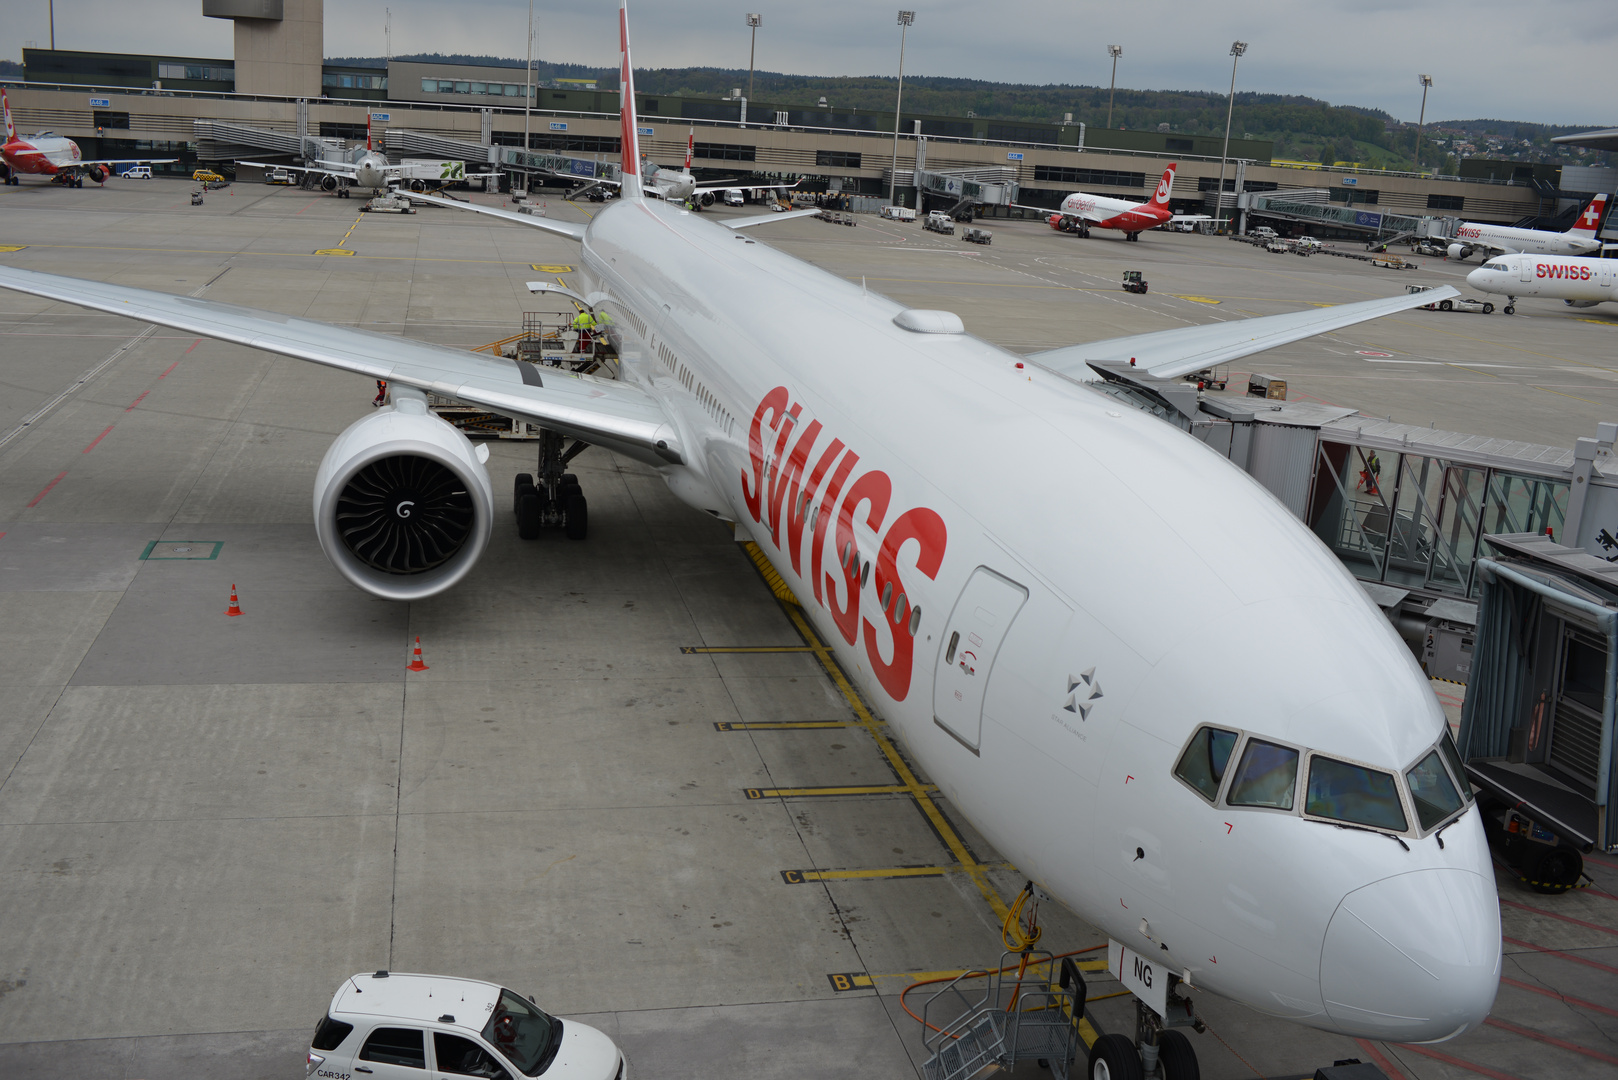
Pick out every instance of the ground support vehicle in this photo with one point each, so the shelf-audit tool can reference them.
(389, 204)
(207, 176)
(196, 198)
(975, 235)
(1459, 303)
(137, 172)
(1213, 378)
(939, 222)
(1133, 282)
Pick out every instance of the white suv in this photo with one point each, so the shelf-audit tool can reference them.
(391, 1026)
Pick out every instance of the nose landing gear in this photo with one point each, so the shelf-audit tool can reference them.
(1511, 306)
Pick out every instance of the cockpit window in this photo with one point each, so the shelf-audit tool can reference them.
(1494, 266)
(1432, 791)
(1446, 746)
(1352, 793)
(1203, 763)
(1266, 777)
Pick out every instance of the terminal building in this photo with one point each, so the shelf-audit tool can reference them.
(114, 104)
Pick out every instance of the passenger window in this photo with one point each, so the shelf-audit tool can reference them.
(1353, 793)
(1432, 791)
(396, 1046)
(1203, 763)
(1446, 746)
(1266, 777)
(463, 1057)
(330, 1034)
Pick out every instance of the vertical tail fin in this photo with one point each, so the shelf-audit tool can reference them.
(1164, 186)
(1584, 228)
(11, 131)
(368, 115)
(690, 147)
(629, 186)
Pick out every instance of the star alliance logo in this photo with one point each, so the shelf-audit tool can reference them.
(1087, 684)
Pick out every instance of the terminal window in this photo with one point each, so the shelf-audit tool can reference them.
(207, 72)
(837, 159)
(339, 81)
(111, 119)
(1446, 202)
(724, 151)
(1105, 177)
(1179, 146)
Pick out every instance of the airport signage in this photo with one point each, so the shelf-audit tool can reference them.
(1351, 181)
(1013, 157)
(1369, 221)
(100, 103)
(645, 131)
(582, 168)
(381, 117)
(557, 125)
(1146, 977)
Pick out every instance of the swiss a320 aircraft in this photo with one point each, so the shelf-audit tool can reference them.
(1080, 212)
(1289, 828)
(1580, 239)
(46, 153)
(360, 167)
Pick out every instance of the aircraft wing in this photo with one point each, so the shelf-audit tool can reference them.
(1047, 211)
(131, 161)
(604, 412)
(1191, 217)
(766, 219)
(1172, 353)
(570, 229)
(349, 175)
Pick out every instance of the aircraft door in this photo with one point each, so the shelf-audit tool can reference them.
(1525, 267)
(972, 638)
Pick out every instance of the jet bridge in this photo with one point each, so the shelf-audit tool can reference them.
(401, 143)
(1306, 206)
(959, 190)
(219, 140)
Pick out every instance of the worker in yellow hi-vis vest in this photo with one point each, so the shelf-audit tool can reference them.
(585, 324)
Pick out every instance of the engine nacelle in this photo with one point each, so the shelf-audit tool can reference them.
(706, 198)
(99, 173)
(1458, 251)
(328, 183)
(1581, 303)
(403, 505)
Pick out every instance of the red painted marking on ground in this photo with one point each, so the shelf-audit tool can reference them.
(1564, 955)
(1563, 918)
(1598, 892)
(1599, 861)
(187, 352)
(1449, 1059)
(1580, 1002)
(137, 401)
(35, 501)
(99, 437)
(1380, 1058)
(305, 208)
(1550, 1040)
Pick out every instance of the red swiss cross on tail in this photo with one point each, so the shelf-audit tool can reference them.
(1586, 225)
(630, 174)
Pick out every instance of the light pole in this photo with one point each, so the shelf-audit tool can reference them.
(1115, 51)
(752, 21)
(905, 19)
(1236, 50)
(1426, 84)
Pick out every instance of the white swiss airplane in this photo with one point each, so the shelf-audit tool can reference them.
(1581, 239)
(1288, 828)
(359, 167)
(1080, 210)
(1580, 283)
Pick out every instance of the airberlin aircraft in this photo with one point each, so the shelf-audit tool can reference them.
(47, 154)
(1289, 828)
(1579, 283)
(1080, 211)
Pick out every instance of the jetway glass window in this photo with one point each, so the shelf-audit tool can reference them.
(1339, 791)
(1350, 510)
(1525, 504)
(1460, 515)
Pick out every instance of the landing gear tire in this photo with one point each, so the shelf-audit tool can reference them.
(530, 514)
(1113, 1057)
(1510, 309)
(578, 516)
(1176, 1058)
(523, 480)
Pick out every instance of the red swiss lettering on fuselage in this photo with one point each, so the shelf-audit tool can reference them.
(1562, 271)
(832, 498)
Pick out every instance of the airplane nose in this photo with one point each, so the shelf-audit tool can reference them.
(1413, 958)
(1475, 278)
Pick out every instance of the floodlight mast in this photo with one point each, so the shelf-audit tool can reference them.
(1237, 48)
(752, 21)
(1421, 123)
(905, 19)
(1115, 51)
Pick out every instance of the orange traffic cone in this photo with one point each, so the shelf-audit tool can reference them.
(235, 607)
(416, 664)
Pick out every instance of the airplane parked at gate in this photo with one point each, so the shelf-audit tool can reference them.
(1033, 624)
(1579, 283)
(359, 167)
(1471, 236)
(681, 185)
(46, 153)
(1079, 211)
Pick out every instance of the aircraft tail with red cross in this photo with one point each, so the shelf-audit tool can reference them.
(1585, 227)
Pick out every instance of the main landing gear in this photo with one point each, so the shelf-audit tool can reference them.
(555, 499)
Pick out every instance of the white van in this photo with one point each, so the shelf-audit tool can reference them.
(394, 1026)
(733, 196)
(137, 172)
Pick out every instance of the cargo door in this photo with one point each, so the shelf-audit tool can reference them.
(972, 639)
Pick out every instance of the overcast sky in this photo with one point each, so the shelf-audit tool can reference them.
(1551, 62)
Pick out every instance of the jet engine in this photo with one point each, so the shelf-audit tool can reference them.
(99, 173)
(1581, 303)
(403, 506)
(1458, 251)
(706, 198)
(328, 183)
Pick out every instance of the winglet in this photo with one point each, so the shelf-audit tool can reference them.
(629, 187)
